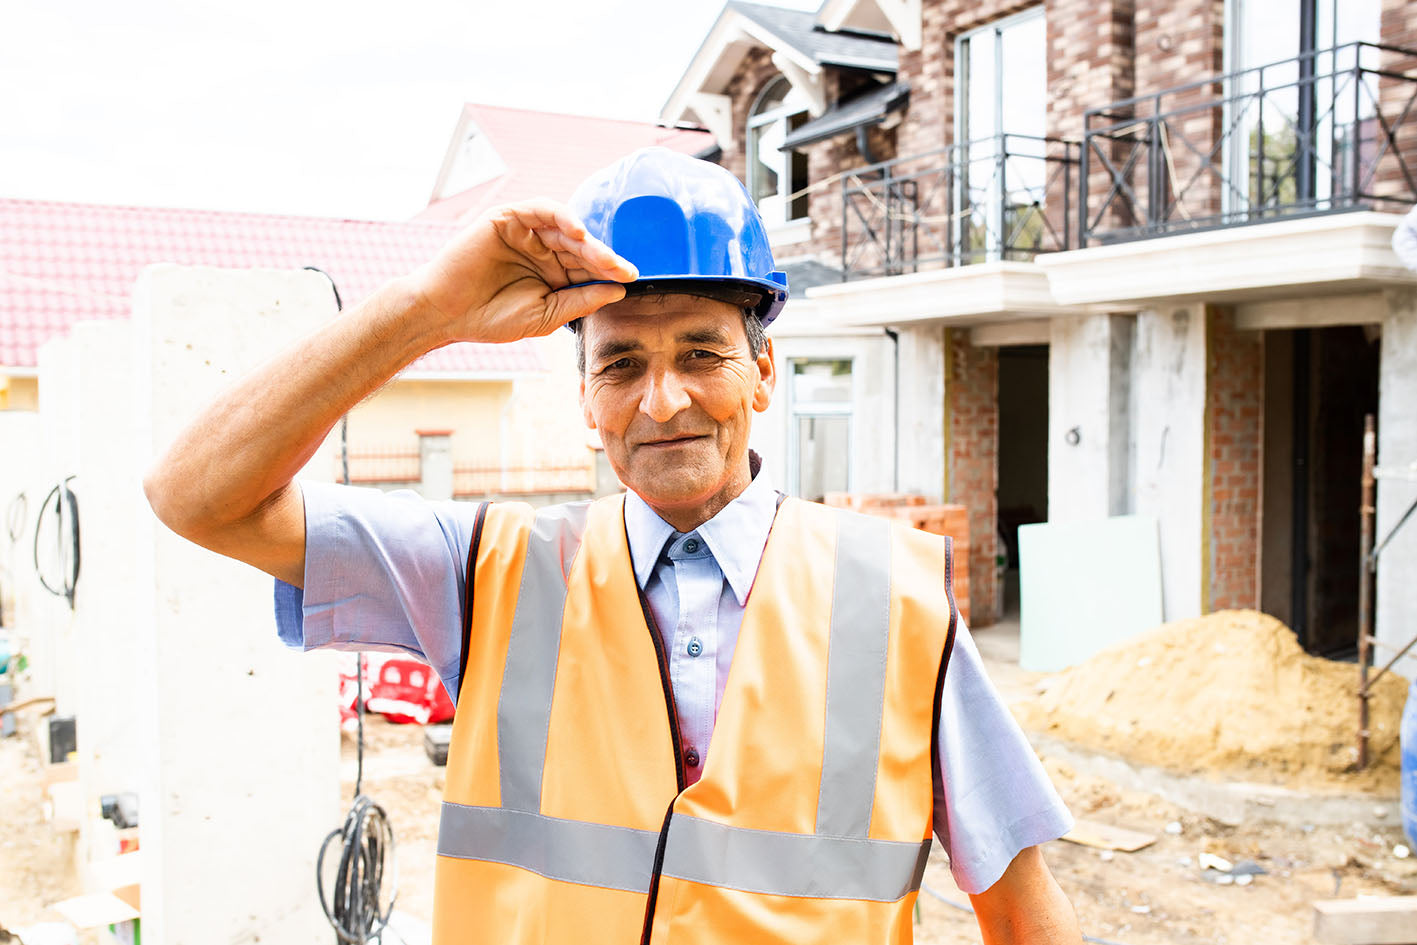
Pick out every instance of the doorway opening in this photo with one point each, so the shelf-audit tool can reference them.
(1319, 383)
(1023, 456)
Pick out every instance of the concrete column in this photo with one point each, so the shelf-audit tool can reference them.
(1396, 617)
(51, 622)
(1168, 437)
(107, 606)
(1089, 406)
(921, 425)
(240, 734)
(435, 462)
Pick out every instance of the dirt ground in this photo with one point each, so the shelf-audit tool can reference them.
(1159, 895)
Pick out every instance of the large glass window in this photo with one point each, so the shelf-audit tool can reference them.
(819, 439)
(1002, 81)
(1273, 159)
(777, 179)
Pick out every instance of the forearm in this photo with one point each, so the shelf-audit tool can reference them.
(1026, 906)
(244, 449)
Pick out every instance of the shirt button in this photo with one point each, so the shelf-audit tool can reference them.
(695, 647)
(691, 758)
(691, 546)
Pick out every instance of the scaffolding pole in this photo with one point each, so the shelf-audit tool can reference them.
(1368, 563)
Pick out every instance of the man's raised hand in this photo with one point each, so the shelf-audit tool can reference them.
(497, 280)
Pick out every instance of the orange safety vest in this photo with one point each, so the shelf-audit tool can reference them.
(565, 816)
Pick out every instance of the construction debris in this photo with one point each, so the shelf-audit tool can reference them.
(1228, 694)
(1091, 833)
(1369, 921)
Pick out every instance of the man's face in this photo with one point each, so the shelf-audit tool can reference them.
(670, 384)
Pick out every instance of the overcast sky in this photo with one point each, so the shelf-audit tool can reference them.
(330, 109)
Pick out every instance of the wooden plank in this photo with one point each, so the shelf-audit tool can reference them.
(1092, 833)
(1389, 920)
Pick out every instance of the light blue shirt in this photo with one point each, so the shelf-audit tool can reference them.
(385, 571)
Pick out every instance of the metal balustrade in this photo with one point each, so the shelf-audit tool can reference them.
(1001, 198)
(1330, 130)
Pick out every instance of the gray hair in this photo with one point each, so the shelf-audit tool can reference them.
(752, 327)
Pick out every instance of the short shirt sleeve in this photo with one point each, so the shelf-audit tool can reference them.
(993, 798)
(383, 571)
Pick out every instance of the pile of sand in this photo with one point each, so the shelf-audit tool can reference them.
(1231, 694)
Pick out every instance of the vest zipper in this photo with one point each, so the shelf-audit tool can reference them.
(663, 659)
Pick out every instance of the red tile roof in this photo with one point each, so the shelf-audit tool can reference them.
(548, 154)
(62, 263)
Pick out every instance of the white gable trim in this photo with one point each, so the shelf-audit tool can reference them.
(732, 35)
(902, 15)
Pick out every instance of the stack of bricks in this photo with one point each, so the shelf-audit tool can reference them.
(950, 520)
(1234, 415)
(972, 453)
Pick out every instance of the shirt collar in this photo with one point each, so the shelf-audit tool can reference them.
(735, 536)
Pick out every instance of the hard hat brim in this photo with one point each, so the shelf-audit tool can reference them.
(763, 298)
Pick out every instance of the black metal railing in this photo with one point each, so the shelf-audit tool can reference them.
(1317, 133)
(1006, 197)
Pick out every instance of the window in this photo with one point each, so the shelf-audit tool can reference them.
(819, 435)
(1000, 122)
(776, 179)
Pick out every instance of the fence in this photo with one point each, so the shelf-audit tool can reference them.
(1005, 197)
(391, 466)
(1313, 134)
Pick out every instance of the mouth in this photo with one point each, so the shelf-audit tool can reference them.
(671, 442)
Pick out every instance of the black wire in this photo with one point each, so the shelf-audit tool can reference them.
(365, 839)
(366, 834)
(63, 499)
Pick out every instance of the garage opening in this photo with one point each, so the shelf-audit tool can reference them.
(1319, 383)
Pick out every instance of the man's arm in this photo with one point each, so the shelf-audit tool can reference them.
(226, 481)
(1026, 906)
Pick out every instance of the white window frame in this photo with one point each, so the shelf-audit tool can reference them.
(807, 409)
(962, 77)
(791, 106)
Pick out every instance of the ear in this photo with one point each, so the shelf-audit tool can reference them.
(585, 407)
(767, 378)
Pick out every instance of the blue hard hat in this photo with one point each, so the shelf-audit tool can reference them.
(689, 227)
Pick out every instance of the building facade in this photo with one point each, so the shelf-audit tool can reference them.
(1067, 261)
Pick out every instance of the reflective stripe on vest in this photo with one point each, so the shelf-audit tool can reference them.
(760, 861)
(814, 802)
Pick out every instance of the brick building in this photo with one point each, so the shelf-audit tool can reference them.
(1064, 261)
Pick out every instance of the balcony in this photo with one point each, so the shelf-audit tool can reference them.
(1324, 132)
(996, 199)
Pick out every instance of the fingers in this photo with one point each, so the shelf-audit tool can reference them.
(567, 305)
(538, 226)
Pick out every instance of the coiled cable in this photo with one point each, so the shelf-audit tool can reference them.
(66, 505)
(365, 838)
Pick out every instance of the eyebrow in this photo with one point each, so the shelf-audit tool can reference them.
(705, 336)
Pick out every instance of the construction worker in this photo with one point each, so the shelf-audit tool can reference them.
(695, 712)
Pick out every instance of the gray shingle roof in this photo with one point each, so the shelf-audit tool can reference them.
(868, 108)
(798, 28)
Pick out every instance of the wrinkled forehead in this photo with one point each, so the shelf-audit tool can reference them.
(653, 320)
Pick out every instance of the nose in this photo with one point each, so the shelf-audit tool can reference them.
(665, 396)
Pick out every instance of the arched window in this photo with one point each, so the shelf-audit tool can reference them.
(776, 178)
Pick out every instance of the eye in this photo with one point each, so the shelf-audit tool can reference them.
(699, 354)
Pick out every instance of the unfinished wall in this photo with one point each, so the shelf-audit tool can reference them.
(1089, 400)
(1234, 414)
(1169, 449)
(240, 734)
(973, 419)
(1399, 29)
(1397, 447)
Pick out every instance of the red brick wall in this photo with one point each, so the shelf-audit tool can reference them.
(1179, 42)
(972, 420)
(1234, 417)
(1399, 28)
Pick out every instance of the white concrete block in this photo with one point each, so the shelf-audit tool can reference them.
(1168, 436)
(241, 734)
(1396, 616)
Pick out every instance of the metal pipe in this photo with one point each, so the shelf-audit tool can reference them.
(1365, 585)
(894, 336)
